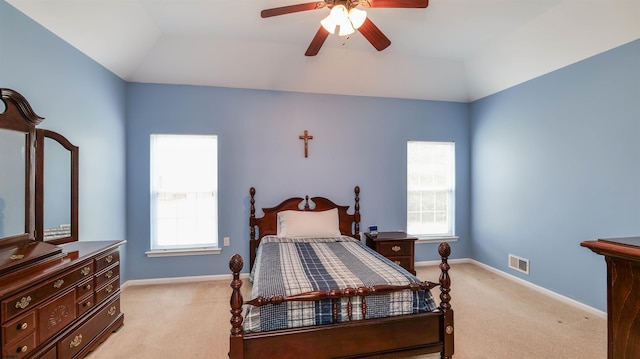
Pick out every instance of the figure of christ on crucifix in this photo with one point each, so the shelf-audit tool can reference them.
(306, 139)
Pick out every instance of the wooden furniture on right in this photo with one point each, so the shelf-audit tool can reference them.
(397, 246)
(623, 294)
(396, 336)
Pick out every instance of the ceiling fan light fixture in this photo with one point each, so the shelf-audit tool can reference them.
(329, 24)
(357, 17)
(339, 14)
(346, 29)
(348, 21)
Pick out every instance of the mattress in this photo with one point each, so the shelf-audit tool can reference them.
(287, 266)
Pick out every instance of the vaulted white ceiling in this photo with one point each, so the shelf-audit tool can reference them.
(454, 50)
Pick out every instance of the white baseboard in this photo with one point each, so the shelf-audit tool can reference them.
(535, 287)
(174, 280)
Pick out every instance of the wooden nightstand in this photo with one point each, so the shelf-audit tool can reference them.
(397, 246)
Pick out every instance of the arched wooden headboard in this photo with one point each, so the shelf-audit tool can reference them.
(349, 224)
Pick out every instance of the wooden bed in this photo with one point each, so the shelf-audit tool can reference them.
(396, 336)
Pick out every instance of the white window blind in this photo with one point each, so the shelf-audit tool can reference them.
(184, 191)
(430, 188)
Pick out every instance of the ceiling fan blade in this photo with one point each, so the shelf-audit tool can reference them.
(316, 43)
(396, 3)
(374, 35)
(293, 8)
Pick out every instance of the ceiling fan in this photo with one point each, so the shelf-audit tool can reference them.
(346, 19)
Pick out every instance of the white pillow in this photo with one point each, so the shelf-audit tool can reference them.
(308, 224)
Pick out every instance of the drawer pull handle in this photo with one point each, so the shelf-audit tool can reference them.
(23, 303)
(76, 341)
(87, 304)
(87, 287)
(58, 284)
(396, 248)
(85, 271)
(109, 288)
(109, 274)
(109, 258)
(22, 349)
(396, 262)
(112, 311)
(23, 326)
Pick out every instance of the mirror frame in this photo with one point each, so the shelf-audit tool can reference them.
(19, 116)
(41, 134)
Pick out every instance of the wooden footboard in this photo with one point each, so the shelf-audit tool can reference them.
(407, 334)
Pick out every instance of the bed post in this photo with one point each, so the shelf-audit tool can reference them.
(235, 340)
(253, 244)
(445, 287)
(252, 215)
(356, 218)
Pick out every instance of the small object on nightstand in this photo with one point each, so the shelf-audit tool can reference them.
(373, 230)
(396, 246)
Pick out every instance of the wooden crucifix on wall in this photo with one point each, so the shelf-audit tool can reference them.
(306, 139)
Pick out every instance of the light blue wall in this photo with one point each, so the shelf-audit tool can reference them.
(556, 161)
(357, 141)
(79, 99)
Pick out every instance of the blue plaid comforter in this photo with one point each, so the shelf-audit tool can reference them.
(286, 266)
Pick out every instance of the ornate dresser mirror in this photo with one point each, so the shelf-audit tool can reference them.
(18, 247)
(56, 188)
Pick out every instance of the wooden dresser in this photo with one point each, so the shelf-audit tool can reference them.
(59, 297)
(623, 294)
(62, 300)
(397, 246)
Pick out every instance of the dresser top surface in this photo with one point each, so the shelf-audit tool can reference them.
(629, 241)
(70, 255)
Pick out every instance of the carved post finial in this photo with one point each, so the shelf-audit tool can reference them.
(445, 281)
(236, 264)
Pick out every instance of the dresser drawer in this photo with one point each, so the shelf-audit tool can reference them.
(56, 314)
(86, 303)
(107, 260)
(78, 339)
(84, 288)
(397, 248)
(107, 290)
(20, 348)
(107, 274)
(50, 354)
(18, 328)
(22, 302)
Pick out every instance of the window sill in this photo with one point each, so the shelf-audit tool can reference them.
(436, 239)
(183, 252)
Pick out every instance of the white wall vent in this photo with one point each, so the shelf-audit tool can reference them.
(519, 264)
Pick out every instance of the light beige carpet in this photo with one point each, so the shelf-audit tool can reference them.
(495, 318)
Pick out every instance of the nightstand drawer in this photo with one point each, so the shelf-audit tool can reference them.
(404, 262)
(395, 248)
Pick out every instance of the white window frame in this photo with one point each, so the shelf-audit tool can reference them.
(431, 167)
(192, 228)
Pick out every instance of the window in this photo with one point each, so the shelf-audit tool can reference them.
(184, 192)
(430, 188)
